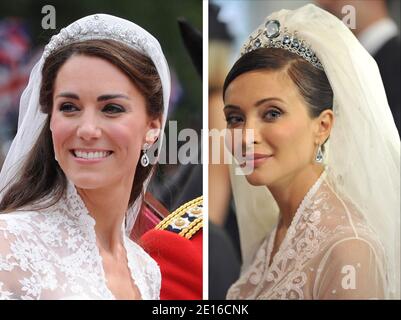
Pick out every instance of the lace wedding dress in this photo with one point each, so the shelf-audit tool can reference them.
(329, 252)
(52, 254)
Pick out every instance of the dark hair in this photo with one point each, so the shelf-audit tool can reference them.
(311, 82)
(41, 175)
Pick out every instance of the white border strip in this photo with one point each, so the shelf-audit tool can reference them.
(205, 148)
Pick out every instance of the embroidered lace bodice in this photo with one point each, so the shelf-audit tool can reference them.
(328, 252)
(52, 254)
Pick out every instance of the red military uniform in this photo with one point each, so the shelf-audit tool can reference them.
(176, 245)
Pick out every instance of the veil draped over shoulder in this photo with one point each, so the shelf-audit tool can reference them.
(362, 156)
(31, 120)
(53, 252)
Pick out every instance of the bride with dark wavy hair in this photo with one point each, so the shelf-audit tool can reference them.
(73, 181)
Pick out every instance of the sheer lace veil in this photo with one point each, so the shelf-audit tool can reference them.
(363, 152)
(31, 119)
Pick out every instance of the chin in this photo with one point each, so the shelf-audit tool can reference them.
(89, 181)
(258, 179)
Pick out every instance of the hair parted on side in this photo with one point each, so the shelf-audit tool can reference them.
(41, 177)
(311, 82)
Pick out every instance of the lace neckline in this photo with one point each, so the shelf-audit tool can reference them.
(291, 230)
(76, 206)
(78, 210)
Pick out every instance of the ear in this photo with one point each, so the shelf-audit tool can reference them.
(153, 130)
(51, 123)
(324, 123)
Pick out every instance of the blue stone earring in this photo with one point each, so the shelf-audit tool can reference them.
(319, 155)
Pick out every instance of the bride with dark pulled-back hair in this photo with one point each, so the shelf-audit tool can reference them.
(324, 158)
(73, 182)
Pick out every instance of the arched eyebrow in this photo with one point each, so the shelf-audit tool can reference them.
(262, 101)
(256, 104)
(103, 97)
(231, 106)
(69, 95)
(112, 96)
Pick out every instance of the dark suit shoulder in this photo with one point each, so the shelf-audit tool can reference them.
(389, 48)
(388, 61)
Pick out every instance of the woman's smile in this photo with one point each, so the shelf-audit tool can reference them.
(97, 125)
(255, 159)
(92, 156)
(269, 103)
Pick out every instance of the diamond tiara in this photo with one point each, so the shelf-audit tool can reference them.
(272, 37)
(96, 28)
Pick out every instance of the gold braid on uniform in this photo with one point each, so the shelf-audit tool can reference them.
(186, 220)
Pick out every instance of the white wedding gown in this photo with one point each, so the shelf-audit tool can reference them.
(329, 252)
(52, 254)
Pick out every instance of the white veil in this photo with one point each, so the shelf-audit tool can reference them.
(31, 120)
(364, 158)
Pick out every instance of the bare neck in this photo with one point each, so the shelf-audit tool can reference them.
(291, 190)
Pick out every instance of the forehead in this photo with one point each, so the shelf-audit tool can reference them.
(253, 86)
(81, 72)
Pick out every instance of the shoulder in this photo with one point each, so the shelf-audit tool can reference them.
(17, 229)
(20, 230)
(361, 248)
(341, 227)
(389, 50)
(16, 244)
(182, 228)
(339, 217)
(176, 245)
(186, 221)
(17, 221)
(363, 254)
(352, 268)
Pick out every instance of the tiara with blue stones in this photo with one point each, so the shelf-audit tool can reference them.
(272, 37)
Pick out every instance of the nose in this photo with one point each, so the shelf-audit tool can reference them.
(250, 135)
(88, 127)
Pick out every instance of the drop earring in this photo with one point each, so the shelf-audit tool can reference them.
(319, 155)
(145, 159)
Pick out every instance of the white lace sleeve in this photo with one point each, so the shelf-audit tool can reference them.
(7, 285)
(351, 269)
(145, 271)
(16, 279)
